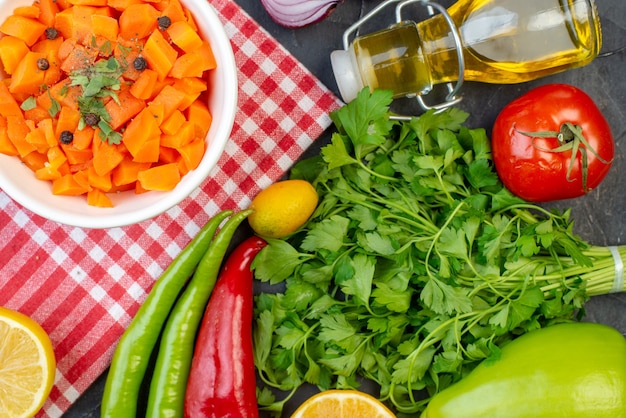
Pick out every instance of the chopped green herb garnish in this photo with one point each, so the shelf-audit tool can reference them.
(106, 48)
(97, 82)
(55, 106)
(109, 134)
(29, 104)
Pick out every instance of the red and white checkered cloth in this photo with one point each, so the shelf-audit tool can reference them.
(84, 286)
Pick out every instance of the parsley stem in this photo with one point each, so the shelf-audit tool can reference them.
(376, 174)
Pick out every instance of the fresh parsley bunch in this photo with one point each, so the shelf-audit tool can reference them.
(417, 264)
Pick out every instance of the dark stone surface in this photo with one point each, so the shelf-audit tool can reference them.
(599, 217)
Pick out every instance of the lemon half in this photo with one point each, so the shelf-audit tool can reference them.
(342, 404)
(27, 365)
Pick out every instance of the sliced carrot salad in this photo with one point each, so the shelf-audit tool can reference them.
(102, 96)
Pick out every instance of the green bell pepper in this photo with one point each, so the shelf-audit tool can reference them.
(569, 370)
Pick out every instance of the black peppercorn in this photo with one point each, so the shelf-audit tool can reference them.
(164, 22)
(92, 119)
(140, 63)
(43, 64)
(52, 33)
(66, 137)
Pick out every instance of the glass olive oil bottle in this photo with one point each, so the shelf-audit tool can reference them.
(502, 41)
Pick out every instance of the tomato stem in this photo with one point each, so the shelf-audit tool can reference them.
(570, 138)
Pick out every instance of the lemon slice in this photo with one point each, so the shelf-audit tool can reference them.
(342, 404)
(27, 365)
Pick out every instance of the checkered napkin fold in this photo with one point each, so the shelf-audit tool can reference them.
(84, 286)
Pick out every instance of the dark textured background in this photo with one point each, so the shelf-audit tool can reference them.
(599, 216)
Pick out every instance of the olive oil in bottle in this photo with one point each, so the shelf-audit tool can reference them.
(503, 41)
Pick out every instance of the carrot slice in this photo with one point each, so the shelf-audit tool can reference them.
(68, 120)
(83, 137)
(37, 138)
(34, 161)
(103, 183)
(57, 165)
(105, 26)
(79, 56)
(137, 21)
(47, 126)
(17, 131)
(192, 87)
(159, 54)
(207, 54)
(77, 156)
(174, 10)
(143, 87)
(50, 47)
(12, 50)
(168, 155)
(56, 157)
(121, 5)
(27, 29)
(6, 146)
(68, 185)
(88, 2)
(96, 197)
(60, 94)
(173, 124)
(47, 12)
(141, 129)
(185, 135)
(157, 110)
(27, 11)
(192, 154)
(163, 177)
(127, 170)
(36, 114)
(82, 179)
(27, 78)
(183, 35)
(63, 4)
(200, 115)
(47, 173)
(124, 109)
(188, 65)
(75, 23)
(106, 158)
(170, 98)
(148, 152)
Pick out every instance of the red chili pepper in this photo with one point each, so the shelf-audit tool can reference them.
(222, 381)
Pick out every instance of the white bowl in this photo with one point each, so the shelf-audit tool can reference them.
(19, 182)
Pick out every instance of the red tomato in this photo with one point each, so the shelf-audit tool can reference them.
(534, 161)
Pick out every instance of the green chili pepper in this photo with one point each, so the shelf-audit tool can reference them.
(569, 370)
(132, 355)
(171, 371)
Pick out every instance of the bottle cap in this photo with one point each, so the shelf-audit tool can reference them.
(348, 79)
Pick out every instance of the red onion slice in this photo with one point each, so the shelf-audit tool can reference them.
(299, 13)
